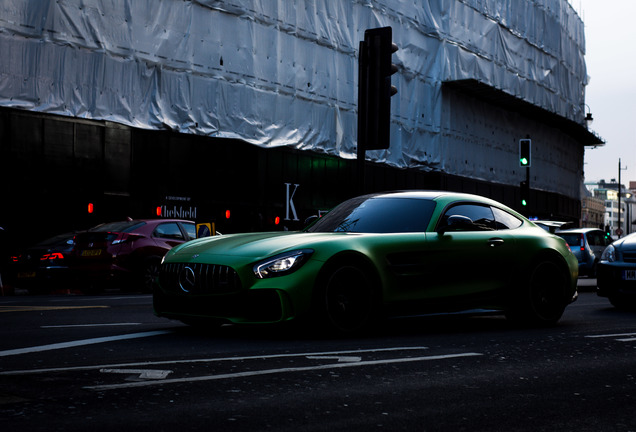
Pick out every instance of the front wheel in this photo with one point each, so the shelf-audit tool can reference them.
(346, 299)
(149, 274)
(542, 299)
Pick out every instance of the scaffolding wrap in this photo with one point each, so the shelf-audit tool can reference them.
(284, 73)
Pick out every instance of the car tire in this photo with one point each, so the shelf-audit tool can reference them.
(542, 300)
(347, 299)
(149, 273)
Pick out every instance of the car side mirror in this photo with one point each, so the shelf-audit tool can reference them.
(457, 223)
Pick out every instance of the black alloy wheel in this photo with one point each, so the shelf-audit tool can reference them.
(348, 299)
(542, 300)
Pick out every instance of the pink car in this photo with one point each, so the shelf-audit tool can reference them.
(126, 254)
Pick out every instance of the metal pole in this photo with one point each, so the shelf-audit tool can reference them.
(620, 230)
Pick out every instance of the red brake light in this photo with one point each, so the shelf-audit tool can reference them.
(582, 242)
(52, 256)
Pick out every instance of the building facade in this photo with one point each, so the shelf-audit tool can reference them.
(144, 109)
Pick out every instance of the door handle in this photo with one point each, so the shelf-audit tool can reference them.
(494, 242)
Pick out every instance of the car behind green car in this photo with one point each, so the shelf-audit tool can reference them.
(386, 254)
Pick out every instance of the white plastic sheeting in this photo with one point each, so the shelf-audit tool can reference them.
(283, 72)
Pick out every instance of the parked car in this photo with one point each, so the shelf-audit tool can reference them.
(616, 278)
(43, 266)
(128, 252)
(587, 244)
(401, 253)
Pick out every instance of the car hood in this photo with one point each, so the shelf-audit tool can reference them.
(626, 243)
(252, 245)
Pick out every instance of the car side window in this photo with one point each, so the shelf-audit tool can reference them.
(191, 229)
(481, 216)
(505, 220)
(169, 230)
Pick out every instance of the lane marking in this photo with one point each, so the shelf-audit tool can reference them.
(341, 359)
(106, 298)
(80, 343)
(611, 335)
(45, 308)
(143, 373)
(276, 371)
(208, 360)
(90, 325)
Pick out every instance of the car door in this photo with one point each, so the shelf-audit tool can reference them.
(472, 259)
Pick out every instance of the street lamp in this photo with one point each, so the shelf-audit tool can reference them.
(588, 117)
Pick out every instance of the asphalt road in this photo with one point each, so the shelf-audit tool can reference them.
(106, 363)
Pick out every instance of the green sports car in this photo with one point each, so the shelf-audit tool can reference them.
(386, 254)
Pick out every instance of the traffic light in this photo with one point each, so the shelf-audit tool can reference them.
(375, 89)
(524, 187)
(525, 153)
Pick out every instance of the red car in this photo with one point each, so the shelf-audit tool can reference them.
(126, 254)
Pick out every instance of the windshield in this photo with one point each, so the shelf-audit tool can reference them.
(571, 239)
(369, 214)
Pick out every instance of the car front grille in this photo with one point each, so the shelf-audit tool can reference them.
(197, 278)
(629, 257)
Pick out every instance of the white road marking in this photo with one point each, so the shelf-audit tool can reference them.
(143, 373)
(611, 335)
(276, 371)
(208, 360)
(341, 359)
(80, 343)
(90, 325)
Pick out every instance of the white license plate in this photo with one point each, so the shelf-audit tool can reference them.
(629, 275)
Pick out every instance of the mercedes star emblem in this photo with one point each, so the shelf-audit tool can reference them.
(186, 279)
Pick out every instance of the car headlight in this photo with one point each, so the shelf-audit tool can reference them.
(282, 264)
(609, 254)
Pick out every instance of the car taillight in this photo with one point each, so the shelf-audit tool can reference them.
(15, 258)
(582, 242)
(52, 256)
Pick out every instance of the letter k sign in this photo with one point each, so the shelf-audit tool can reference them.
(290, 203)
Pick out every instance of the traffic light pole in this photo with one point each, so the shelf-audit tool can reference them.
(362, 115)
(528, 186)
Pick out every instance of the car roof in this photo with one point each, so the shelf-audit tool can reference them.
(444, 197)
(432, 194)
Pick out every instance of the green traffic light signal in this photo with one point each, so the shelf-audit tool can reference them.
(524, 202)
(525, 152)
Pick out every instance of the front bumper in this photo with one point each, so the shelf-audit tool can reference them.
(610, 280)
(248, 306)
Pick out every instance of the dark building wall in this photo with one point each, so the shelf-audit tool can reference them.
(51, 167)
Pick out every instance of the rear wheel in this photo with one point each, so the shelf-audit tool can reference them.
(347, 300)
(542, 299)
